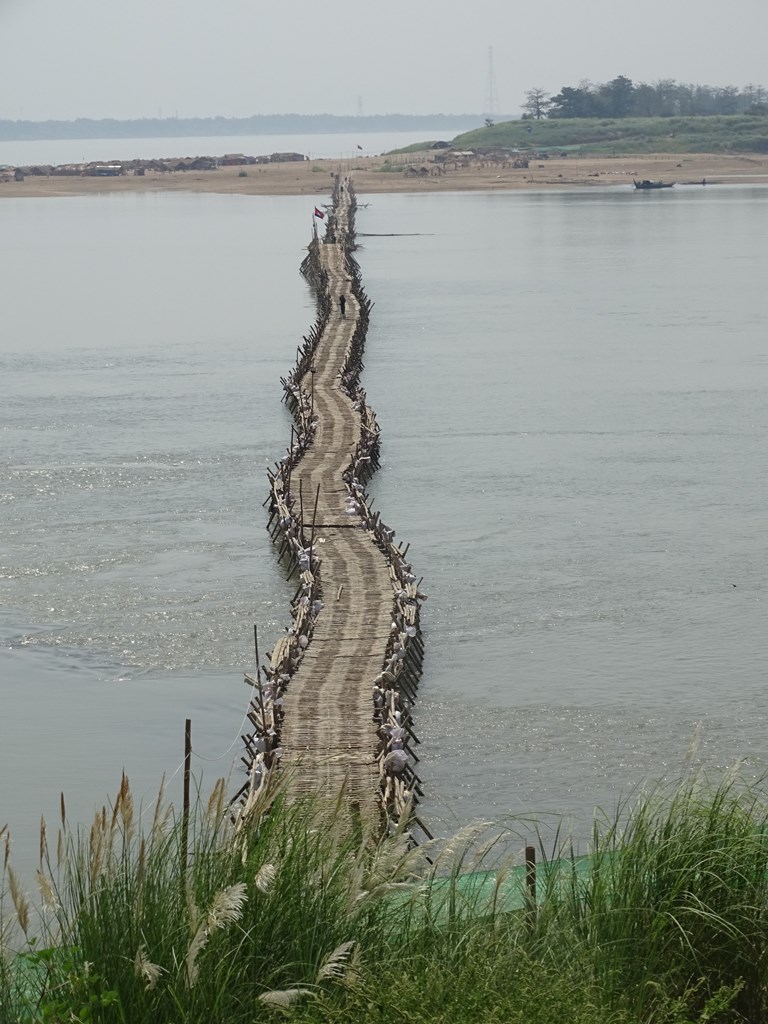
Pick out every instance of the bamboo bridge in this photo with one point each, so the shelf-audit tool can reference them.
(333, 703)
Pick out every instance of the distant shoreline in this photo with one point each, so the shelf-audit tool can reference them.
(206, 127)
(411, 173)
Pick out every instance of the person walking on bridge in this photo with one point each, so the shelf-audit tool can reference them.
(343, 305)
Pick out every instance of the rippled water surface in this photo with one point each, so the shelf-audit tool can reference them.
(573, 391)
(142, 346)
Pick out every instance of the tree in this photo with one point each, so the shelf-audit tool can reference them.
(537, 103)
(666, 97)
(727, 99)
(571, 102)
(686, 101)
(754, 95)
(618, 96)
(645, 100)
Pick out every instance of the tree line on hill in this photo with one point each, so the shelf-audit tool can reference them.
(621, 97)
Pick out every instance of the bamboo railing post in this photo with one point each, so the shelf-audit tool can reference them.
(312, 531)
(301, 513)
(256, 646)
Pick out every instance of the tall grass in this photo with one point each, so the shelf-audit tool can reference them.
(290, 915)
(675, 901)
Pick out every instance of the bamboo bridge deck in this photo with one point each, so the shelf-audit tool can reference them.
(328, 728)
(335, 704)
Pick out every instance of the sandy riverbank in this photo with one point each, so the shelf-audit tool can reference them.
(312, 177)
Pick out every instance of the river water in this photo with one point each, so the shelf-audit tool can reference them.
(573, 391)
(334, 146)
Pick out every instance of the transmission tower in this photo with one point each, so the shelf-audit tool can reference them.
(491, 95)
(359, 106)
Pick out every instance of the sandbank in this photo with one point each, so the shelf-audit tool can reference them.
(313, 177)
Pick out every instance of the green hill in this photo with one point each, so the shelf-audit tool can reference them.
(745, 133)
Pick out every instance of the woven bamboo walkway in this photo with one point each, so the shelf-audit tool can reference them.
(328, 730)
(334, 702)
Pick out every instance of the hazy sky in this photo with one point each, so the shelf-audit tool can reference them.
(143, 58)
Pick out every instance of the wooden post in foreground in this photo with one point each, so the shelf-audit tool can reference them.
(185, 811)
(530, 882)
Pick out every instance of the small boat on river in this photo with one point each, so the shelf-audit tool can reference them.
(646, 183)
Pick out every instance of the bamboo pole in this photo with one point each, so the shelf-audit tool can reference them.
(530, 882)
(185, 805)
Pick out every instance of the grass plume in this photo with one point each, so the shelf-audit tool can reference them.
(666, 922)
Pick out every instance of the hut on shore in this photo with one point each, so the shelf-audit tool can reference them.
(99, 170)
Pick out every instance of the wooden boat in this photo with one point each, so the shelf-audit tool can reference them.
(647, 184)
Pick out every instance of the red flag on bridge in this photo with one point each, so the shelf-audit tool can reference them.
(319, 213)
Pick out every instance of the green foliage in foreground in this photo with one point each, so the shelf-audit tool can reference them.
(627, 135)
(290, 917)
